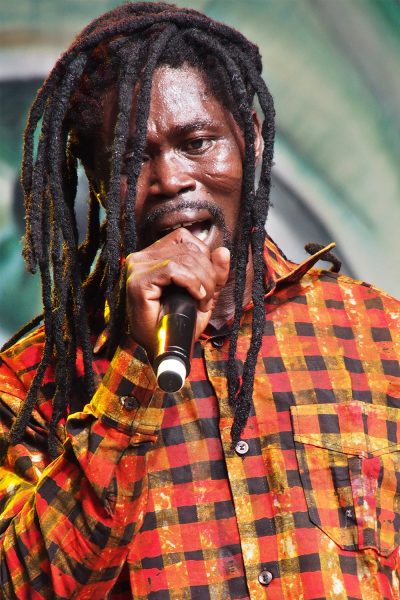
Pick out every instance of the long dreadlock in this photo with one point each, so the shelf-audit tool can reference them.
(117, 51)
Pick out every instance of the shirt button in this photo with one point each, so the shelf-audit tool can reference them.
(129, 402)
(242, 447)
(217, 342)
(265, 577)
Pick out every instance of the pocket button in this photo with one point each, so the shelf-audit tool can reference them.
(129, 402)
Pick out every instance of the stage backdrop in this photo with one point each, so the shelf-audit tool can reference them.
(333, 67)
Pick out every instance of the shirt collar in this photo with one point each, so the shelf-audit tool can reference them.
(279, 271)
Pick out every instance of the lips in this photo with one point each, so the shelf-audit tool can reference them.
(204, 220)
(199, 222)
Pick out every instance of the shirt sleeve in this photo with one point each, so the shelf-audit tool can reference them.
(65, 525)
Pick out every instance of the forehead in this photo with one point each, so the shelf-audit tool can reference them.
(184, 87)
(179, 96)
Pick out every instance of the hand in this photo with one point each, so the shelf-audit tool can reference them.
(178, 258)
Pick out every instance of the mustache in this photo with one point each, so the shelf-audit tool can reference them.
(215, 212)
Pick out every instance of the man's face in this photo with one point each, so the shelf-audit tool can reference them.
(192, 168)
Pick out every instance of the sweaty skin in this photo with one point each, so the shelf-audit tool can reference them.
(192, 171)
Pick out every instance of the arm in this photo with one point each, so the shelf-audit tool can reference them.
(65, 525)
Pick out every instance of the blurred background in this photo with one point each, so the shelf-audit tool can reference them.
(333, 68)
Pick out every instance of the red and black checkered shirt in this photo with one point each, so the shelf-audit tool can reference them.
(148, 499)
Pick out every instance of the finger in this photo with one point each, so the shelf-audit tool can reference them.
(221, 260)
(142, 271)
(183, 236)
(147, 282)
(179, 238)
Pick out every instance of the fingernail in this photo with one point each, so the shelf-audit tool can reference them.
(203, 291)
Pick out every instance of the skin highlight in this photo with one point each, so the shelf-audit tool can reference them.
(192, 171)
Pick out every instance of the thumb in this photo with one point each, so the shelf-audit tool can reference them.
(220, 258)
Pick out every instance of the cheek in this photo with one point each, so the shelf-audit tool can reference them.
(223, 173)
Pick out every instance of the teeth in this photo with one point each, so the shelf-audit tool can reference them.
(168, 229)
(202, 235)
(181, 225)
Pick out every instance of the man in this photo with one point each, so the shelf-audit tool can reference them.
(273, 472)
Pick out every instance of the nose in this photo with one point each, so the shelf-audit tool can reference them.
(169, 177)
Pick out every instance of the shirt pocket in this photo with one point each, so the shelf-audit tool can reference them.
(349, 463)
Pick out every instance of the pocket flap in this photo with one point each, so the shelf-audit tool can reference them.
(352, 428)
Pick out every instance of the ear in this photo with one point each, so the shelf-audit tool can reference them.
(257, 137)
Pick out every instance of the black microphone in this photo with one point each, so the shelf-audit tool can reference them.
(174, 338)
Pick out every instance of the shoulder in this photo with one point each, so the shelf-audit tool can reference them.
(348, 310)
(20, 361)
(356, 310)
(356, 293)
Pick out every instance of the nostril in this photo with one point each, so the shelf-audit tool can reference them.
(169, 178)
(167, 191)
(189, 188)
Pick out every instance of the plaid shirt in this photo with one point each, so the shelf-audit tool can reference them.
(149, 500)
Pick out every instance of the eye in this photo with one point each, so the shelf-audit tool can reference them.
(198, 145)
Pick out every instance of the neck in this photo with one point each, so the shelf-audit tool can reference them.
(225, 307)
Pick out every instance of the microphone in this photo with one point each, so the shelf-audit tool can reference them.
(174, 338)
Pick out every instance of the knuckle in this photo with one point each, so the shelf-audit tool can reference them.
(192, 247)
(183, 237)
(135, 256)
(182, 234)
(132, 260)
(178, 267)
(132, 284)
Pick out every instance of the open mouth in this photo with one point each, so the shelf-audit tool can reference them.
(199, 229)
(203, 219)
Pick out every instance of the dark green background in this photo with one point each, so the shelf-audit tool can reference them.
(333, 67)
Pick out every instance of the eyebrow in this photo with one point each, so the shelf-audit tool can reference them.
(182, 130)
(195, 125)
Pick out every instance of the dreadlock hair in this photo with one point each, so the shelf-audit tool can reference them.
(116, 51)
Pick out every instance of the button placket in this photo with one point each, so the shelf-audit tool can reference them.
(242, 447)
(265, 577)
(217, 342)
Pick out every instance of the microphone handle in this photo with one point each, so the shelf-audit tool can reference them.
(174, 338)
